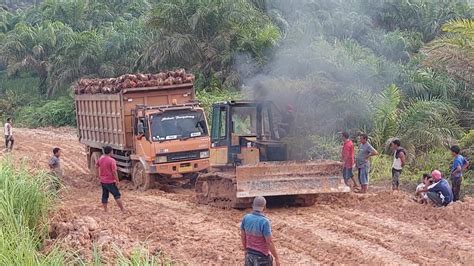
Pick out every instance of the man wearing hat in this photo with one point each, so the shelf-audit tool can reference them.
(256, 236)
(439, 193)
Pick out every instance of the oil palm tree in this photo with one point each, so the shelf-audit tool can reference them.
(206, 34)
(453, 53)
(30, 48)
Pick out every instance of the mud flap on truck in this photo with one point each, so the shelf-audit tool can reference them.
(289, 178)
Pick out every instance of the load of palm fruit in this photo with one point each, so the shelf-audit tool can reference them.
(127, 81)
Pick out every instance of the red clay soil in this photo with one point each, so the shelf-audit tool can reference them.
(378, 228)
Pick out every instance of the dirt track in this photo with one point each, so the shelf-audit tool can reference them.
(380, 228)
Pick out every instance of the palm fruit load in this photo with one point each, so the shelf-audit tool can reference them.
(127, 81)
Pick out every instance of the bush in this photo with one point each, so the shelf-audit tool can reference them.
(467, 141)
(56, 113)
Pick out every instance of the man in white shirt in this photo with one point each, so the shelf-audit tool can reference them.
(8, 129)
(399, 158)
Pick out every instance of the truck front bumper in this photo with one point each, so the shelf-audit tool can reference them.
(180, 168)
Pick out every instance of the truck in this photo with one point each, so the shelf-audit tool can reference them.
(158, 133)
(248, 158)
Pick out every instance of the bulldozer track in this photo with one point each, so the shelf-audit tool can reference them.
(219, 190)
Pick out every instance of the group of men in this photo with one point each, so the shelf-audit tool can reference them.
(361, 162)
(438, 191)
(106, 168)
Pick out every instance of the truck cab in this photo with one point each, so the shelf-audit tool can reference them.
(170, 141)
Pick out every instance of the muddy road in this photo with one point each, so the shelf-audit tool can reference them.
(378, 228)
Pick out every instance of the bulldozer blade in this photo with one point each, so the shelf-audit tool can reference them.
(289, 178)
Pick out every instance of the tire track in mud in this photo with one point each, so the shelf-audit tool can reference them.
(323, 239)
(381, 229)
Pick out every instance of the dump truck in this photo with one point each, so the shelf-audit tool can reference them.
(157, 133)
(249, 159)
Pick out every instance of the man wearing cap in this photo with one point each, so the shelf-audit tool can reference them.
(439, 193)
(256, 236)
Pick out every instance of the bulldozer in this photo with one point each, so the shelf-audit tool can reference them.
(249, 159)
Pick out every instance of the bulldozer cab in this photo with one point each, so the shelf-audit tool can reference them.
(244, 132)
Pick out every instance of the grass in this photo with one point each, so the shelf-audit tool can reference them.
(26, 198)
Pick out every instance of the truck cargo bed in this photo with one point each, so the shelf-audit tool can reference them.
(106, 119)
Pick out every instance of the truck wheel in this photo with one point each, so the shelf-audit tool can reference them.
(95, 156)
(141, 180)
(191, 178)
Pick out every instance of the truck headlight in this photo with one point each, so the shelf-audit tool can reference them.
(161, 159)
(204, 154)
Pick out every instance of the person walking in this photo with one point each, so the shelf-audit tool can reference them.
(399, 158)
(347, 157)
(9, 140)
(55, 167)
(256, 236)
(460, 164)
(107, 169)
(362, 161)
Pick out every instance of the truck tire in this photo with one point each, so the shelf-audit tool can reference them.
(141, 180)
(95, 156)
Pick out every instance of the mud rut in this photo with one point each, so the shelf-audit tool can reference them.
(380, 228)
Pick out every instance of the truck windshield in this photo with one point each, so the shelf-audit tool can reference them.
(180, 124)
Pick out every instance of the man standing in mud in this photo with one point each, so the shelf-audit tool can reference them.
(256, 236)
(8, 129)
(55, 167)
(107, 169)
(347, 157)
(399, 156)
(362, 161)
(459, 165)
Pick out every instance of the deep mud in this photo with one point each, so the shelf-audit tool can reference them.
(378, 228)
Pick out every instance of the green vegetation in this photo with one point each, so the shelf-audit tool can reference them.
(25, 201)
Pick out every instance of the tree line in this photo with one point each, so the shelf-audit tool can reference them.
(392, 68)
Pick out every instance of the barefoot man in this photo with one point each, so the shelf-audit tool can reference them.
(107, 169)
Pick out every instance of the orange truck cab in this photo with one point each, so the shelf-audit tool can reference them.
(157, 133)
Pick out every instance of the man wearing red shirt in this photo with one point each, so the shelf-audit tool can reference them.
(347, 157)
(107, 169)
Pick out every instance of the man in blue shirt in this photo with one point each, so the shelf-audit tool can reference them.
(256, 236)
(459, 165)
(439, 193)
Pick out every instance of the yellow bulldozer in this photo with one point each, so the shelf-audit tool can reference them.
(248, 159)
